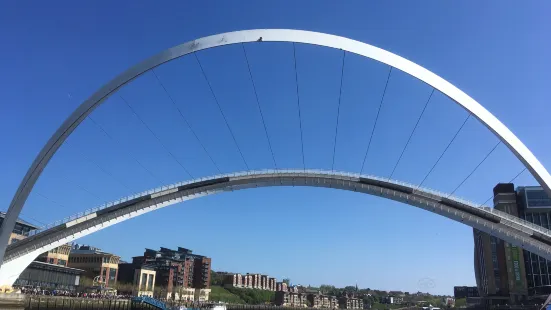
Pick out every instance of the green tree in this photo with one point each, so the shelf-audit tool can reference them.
(460, 302)
(286, 280)
(216, 279)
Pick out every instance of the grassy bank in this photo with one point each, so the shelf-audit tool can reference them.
(219, 293)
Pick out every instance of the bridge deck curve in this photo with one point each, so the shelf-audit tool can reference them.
(492, 221)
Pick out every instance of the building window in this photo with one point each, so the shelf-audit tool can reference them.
(150, 282)
(13, 240)
(51, 261)
(112, 274)
(143, 285)
(62, 262)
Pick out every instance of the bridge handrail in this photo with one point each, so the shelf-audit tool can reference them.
(432, 204)
(484, 208)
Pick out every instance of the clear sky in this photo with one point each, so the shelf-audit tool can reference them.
(55, 54)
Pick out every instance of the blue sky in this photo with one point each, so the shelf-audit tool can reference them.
(55, 55)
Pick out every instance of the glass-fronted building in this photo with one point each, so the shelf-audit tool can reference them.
(502, 269)
(535, 206)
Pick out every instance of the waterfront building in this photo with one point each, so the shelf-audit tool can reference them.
(291, 299)
(465, 291)
(96, 263)
(264, 282)
(272, 284)
(255, 278)
(333, 302)
(141, 279)
(281, 287)
(57, 256)
(506, 273)
(50, 277)
(249, 281)
(233, 280)
(534, 205)
(21, 229)
(180, 274)
(349, 301)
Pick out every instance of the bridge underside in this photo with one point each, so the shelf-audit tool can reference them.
(515, 231)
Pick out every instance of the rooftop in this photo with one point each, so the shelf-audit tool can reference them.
(19, 220)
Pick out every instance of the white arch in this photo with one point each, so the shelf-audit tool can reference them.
(265, 35)
(533, 238)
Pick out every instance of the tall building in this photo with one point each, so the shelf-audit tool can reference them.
(180, 274)
(465, 292)
(95, 263)
(504, 271)
(21, 229)
(534, 206)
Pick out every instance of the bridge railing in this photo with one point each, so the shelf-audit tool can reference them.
(504, 231)
(307, 172)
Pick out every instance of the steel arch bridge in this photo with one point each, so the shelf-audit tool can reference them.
(515, 231)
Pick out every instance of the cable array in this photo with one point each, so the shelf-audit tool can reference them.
(445, 150)
(475, 168)
(258, 104)
(298, 106)
(376, 119)
(185, 120)
(156, 137)
(411, 135)
(338, 112)
(221, 111)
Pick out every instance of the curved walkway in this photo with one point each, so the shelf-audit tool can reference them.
(516, 231)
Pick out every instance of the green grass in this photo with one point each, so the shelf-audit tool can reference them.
(379, 306)
(219, 293)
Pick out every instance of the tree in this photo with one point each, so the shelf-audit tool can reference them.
(286, 280)
(216, 278)
(460, 302)
(350, 288)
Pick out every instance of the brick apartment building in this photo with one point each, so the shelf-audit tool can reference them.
(257, 281)
(180, 274)
(281, 287)
(291, 299)
(349, 301)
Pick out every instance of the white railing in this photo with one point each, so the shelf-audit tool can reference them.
(304, 173)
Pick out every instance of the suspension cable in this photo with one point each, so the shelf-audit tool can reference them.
(50, 200)
(411, 135)
(298, 105)
(32, 218)
(156, 137)
(258, 104)
(185, 120)
(444, 152)
(128, 153)
(511, 181)
(475, 168)
(220, 109)
(101, 168)
(82, 188)
(338, 112)
(376, 119)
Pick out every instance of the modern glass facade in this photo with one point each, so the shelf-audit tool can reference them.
(535, 207)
